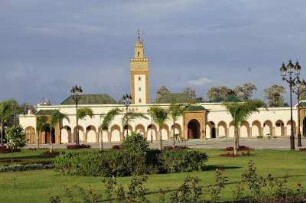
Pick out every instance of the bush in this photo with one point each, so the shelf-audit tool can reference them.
(27, 167)
(4, 149)
(135, 143)
(82, 146)
(183, 160)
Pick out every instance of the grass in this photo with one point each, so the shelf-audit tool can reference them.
(39, 186)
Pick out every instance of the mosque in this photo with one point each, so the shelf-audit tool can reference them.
(211, 121)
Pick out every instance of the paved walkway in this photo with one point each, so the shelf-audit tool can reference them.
(273, 143)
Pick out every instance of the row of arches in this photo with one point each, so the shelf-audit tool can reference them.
(254, 129)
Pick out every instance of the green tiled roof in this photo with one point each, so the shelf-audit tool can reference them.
(91, 99)
(44, 112)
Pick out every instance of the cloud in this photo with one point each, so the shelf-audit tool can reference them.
(199, 82)
(68, 29)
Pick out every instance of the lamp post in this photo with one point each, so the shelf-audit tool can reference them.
(297, 91)
(127, 99)
(290, 74)
(76, 92)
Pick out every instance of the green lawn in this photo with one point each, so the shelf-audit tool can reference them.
(38, 186)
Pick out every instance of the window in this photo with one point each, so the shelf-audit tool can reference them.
(139, 78)
(139, 89)
(139, 100)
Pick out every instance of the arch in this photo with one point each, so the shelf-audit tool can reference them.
(177, 129)
(193, 129)
(140, 129)
(289, 127)
(231, 129)
(222, 129)
(125, 130)
(66, 136)
(279, 128)
(210, 129)
(115, 134)
(91, 134)
(244, 129)
(256, 129)
(81, 134)
(30, 134)
(304, 126)
(164, 132)
(267, 128)
(151, 132)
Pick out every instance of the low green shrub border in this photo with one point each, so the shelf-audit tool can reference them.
(27, 167)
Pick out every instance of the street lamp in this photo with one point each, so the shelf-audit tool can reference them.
(297, 91)
(127, 99)
(76, 92)
(292, 79)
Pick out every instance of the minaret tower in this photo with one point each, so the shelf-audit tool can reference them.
(139, 72)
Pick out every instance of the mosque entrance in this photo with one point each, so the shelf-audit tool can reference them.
(193, 129)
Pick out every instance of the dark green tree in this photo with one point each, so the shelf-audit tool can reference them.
(275, 95)
(16, 137)
(8, 110)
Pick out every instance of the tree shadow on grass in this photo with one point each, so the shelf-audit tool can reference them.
(214, 167)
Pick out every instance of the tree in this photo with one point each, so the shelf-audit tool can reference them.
(40, 123)
(8, 109)
(274, 95)
(219, 93)
(159, 116)
(175, 111)
(108, 118)
(16, 137)
(245, 91)
(190, 94)
(162, 95)
(130, 116)
(82, 113)
(56, 117)
(240, 112)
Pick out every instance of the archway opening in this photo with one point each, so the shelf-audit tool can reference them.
(193, 129)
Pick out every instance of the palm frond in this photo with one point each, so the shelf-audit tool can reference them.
(83, 112)
(109, 117)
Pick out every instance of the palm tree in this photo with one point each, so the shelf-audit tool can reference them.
(176, 110)
(56, 117)
(130, 116)
(82, 113)
(40, 123)
(108, 118)
(240, 112)
(159, 116)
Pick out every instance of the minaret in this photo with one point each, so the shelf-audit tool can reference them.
(140, 90)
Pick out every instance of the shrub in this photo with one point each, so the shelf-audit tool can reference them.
(135, 143)
(27, 167)
(116, 147)
(4, 149)
(183, 160)
(81, 146)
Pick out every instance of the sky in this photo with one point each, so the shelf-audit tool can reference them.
(47, 46)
